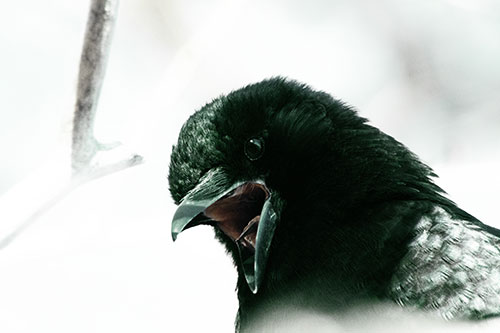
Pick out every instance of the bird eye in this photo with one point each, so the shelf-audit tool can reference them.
(254, 148)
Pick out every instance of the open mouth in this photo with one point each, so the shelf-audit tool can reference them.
(243, 212)
(237, 214)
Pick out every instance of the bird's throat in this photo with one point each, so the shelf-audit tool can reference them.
(238, 213)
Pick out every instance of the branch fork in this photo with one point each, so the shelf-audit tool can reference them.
(29, 200)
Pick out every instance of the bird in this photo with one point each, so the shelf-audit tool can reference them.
(319, 210)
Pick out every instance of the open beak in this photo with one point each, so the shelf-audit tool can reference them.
(242, 211)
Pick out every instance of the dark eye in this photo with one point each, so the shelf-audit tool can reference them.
(254, 148)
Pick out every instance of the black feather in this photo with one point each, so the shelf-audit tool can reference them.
(349, 197)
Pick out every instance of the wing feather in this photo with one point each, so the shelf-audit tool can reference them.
(452, 267)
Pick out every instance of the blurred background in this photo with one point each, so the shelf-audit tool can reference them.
(102, 259)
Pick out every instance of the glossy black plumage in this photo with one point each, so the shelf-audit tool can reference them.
(355, 207)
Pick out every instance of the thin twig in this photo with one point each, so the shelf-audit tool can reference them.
(52, 201)
(85, 163)
(100, 24)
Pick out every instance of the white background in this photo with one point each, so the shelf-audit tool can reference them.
(102, 260)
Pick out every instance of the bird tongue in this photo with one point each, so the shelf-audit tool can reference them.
(249, 234)
(238, 213)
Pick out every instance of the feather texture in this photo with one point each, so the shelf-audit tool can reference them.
(452, 266)
(359, 217)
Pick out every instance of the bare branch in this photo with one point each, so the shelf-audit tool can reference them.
(89, 159)
(93, 61)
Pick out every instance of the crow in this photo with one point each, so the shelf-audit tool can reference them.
(322, 211)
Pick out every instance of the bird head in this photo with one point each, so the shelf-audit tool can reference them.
(276, 165)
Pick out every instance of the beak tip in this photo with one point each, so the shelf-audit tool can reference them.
(174, 236)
